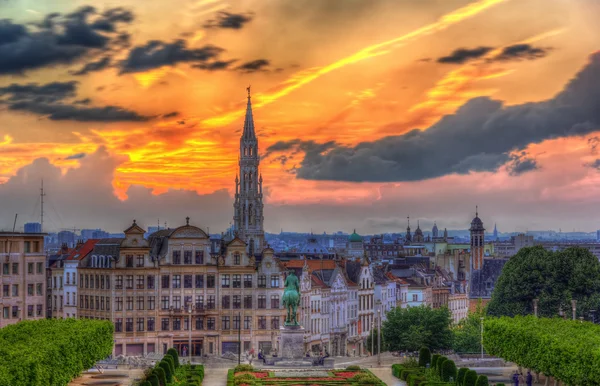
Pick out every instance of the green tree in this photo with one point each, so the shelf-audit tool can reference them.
(409, 329)
(482, 380)
(448, 371)
(167, 368)
(373, 338)
(460, 376)
(466, 335)
(153, 379)
(161, 375)
(424, 357)
(173, 352)
(555, 278)
(470, 378)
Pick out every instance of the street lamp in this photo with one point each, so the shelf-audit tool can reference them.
(535, 307)
(190, 332)
(574, 307)
(481, 337)
(379, 338)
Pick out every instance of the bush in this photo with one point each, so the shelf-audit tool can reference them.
(173, 352)
(161, 375)
(448, 371)
(415, 379)
(470, 378)
(245, 379)
(167, 368)
(424, 357)
(169, 359)
(230, 373)
(153, 379)
(500, 384)
(482, 380)
(365, 379)
(145, 383)
(397, 370)
(406, 372)
(353, 368)
(460, 376)
(240, 368)
(439, 365)
(434, 359)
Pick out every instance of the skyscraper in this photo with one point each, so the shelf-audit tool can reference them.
(248, 206)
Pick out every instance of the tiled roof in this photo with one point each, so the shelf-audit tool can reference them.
(492, 268)
(312, 264)
(85, 249)
(353, 270)
(108, 247)
(317, 282)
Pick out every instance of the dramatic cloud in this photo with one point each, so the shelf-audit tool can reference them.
(50, 100)
(171, 114)
(229, 20)
(216, 65)
(98, 65)
(76, 156)
(60, 39)
(463, 55)
(254, 66)
(520, 164)
(521, 52)
(480, 136)
(156, 54)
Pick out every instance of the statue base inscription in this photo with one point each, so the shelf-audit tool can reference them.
(292, 342)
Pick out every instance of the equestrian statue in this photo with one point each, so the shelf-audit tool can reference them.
(291, 298)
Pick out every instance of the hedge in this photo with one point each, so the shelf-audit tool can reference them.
(173, 352)
(448, 371)
(51, 352)
(460, 375)
(564, 349)
(440, 365)
(424, 357)
(167, 368)
(470, 378)
(434, 359)
(482, 380)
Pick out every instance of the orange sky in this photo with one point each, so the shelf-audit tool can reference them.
(348, 74)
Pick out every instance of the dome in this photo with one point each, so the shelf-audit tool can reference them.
(477, 224)
(418, 232)
(355, 238)
(435, 229)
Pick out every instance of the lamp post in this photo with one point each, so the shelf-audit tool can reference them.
(372, 338)
(481, 337)
(593, 316)
(574, 307)
(190, 332)
(535, 307)
(239, 337)
(379, 337)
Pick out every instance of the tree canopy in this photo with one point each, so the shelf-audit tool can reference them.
(466, 335)
(409, 329)
(555, 278)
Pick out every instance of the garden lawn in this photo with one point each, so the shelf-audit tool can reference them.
(302, 377)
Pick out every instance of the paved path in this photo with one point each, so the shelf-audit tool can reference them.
(385, 374)
(215, 377)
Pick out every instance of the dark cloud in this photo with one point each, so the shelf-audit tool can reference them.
(521, 163)
(463, 55)
(216, 65)
(58, 39)
(51, 100)
(229, 20)
(76, 156)
(98, 65)
(595, 164)
(156, 54)
(254, 66)
(171, 114)
(521, 52)
(481, 135)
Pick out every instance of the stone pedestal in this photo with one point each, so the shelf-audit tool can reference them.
(292, 343)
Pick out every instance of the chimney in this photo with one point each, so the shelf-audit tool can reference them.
(79, 244)
(64, 248)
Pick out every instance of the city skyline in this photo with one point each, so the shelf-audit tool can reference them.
(136, 112)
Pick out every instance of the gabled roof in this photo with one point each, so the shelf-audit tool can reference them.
(316, 282)
(313, 265)
(84, 250)
(134, 228)
(108, 247)
(353, 269)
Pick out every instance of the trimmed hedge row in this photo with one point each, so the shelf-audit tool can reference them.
(365, 377)
(168, 372)
(51, 352)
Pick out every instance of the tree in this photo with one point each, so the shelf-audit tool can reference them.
(460, 376)
(470, 378)
(173, 352)
(448, 371)
(167, 368)
(424, 357)
(409, 329)
(482, 380)
(161, 375)
(555, 278)
(466, 335)
(373, 338)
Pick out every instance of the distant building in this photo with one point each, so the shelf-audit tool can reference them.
(33, 227)
(87, 234)
(355, 245)
(66, 237)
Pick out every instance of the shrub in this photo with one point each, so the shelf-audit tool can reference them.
(415, 379)
(240, 368)
(397, 369)
(439, 365)
(482, 380)
(167, 368)
(169, 359)
(173, 352)
(365, 379)
(500, 384)
(424, 357)
(230, 373)
(406, 372)
(145, 383)
(448, 371)
(353, 368)
(161, 375)
(434, 359)
(470, 378)
(410, 363)
(245, 378)
(153, 379)
(460, 376)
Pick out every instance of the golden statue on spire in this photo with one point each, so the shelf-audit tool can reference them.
(248, 89)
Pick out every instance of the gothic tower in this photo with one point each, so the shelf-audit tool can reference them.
(248, 206)
(477, 242)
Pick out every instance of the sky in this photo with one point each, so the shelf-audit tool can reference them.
(367, 112)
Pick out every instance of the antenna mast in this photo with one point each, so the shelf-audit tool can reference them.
(42, 195)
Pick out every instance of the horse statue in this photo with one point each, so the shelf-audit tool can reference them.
(291, 299)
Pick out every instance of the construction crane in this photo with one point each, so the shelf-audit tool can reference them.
(71, 229)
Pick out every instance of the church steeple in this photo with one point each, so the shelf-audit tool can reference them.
(248, 133)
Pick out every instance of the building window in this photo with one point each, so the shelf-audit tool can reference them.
(164, 302)
(176, 324)
(15, 268)
(30, 268)
(176, 257)
(176, 281)
(237, 260)
(5, 269)
(199, 281)
(118, 325)
(225, 281)
(210, 281)
(101, 281)
(164, 324)
(40, 268)
(140, 302)
(139, 282)
(210, 323)
(107, 302)
(225, 323)
(30, 289)
(30, 311)
(129, 261)
(210, 302)
(237, 302)
(150, 324)
(129, 282)
(274, 301)
(247, 322)
(150, 281)
(199, 257)
(129, 325)
(274, 281)
(225, 302)
(236, 322)
(164, 281)
(38, 289)
(39, 310)
(262, 301)
(247, 281)
(187, 302)
(248, 302)
(119, 304)
(151, 302)
(129, 303)
(186, 324)
(274, 322)
(140, 324)
(139, 263)
(187, 257)
(101, 303)
(200, 323)
(262, 322)
(15, 290)
(91, 282)
(199, 301)
(415, 298)
(187, 281)
(118, 282)
(177, 302)
(237, 281)
(6, 290)
(262, 281)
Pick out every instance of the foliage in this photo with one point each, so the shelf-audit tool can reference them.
(470, 378)
(230, 374)
(153, 379)
(424, 356)
(173, 352)
(555, 278)
(434, 359)
(161, 375)
(500, 384)
(145, 383)
(353, 368)
(167, 368)
(373, 338)
(410, 363)
(466, 335)
(51, 352)
(240, 368)
(460, 376)
(564, 349)
(415, 327)
(448, 371)
(397, 369)
(482, 380)
(245, 378)
(169, 359)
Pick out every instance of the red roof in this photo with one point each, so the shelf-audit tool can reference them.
(84, 250)
(317, 282)
(313, 265)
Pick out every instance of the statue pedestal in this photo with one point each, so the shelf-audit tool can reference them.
(292, 342)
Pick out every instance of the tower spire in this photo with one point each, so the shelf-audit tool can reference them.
(249, 121)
